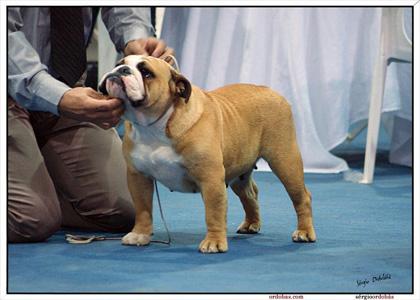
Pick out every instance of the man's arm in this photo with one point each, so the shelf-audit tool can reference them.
(29, 82)
(130, 29)
(126, 24)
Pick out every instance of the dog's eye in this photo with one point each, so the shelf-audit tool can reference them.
(145, 72)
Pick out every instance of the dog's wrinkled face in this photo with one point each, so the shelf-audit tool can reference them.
(147, 85)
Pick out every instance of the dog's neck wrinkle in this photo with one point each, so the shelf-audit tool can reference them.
(185, 115)
(153, 123)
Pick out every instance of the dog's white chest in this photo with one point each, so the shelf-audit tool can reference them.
(154, 156)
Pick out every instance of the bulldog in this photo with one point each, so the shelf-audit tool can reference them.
(193, 140)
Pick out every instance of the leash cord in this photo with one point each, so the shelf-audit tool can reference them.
(168, 242)
(82, 239)
(175, 62)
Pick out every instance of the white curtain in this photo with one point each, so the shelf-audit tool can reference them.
(320, 59)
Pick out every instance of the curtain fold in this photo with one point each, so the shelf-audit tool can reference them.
(319, 59)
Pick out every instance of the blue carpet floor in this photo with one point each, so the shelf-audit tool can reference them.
(363, 231)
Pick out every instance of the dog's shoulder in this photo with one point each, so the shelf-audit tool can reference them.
(186, 115)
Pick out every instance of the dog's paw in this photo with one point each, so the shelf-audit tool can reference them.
(213, 244)
(136, 239)
(247, 227)
(304, 236)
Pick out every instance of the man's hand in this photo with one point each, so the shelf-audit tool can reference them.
(149, 46)
(85, 104)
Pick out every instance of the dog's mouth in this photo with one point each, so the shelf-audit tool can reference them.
(124, 87)
(137, 103)
(111, 77)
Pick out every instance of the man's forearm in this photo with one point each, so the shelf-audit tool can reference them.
(29, 82)
(125, 24)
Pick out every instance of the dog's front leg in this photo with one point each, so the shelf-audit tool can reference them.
(214, 194)
(141, 190)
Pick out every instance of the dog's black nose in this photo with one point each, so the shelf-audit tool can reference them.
(124, 71)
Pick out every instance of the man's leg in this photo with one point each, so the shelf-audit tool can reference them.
(33, 212)
(89, 173)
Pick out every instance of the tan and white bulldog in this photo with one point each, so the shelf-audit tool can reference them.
(192, 140)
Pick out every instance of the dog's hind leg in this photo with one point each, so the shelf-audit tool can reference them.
(285, 161)
(247, 191)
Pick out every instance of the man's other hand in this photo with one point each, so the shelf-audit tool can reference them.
(85, 104)
(150, 46)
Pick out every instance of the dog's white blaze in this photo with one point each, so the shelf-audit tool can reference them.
(154, 156)
(133, 60)
(134, 86)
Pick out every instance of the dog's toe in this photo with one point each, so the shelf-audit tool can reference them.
(213, 245)
(249, 227)
(304, 236)
(136, 239)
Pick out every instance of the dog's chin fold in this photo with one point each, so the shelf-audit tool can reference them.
(137, 103)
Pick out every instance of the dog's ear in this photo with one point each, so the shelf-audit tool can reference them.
(182, 86)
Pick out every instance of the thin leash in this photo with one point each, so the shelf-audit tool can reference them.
(176, 66)
(168, 242)
(85, 239)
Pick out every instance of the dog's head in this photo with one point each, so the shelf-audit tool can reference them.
(146, 84)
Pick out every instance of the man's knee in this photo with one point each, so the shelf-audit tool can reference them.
(120, 217)
(32, 224)
(108, 211)
(118, 214)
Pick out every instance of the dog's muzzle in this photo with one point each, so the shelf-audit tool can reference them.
(114, 77)
(117, 77)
